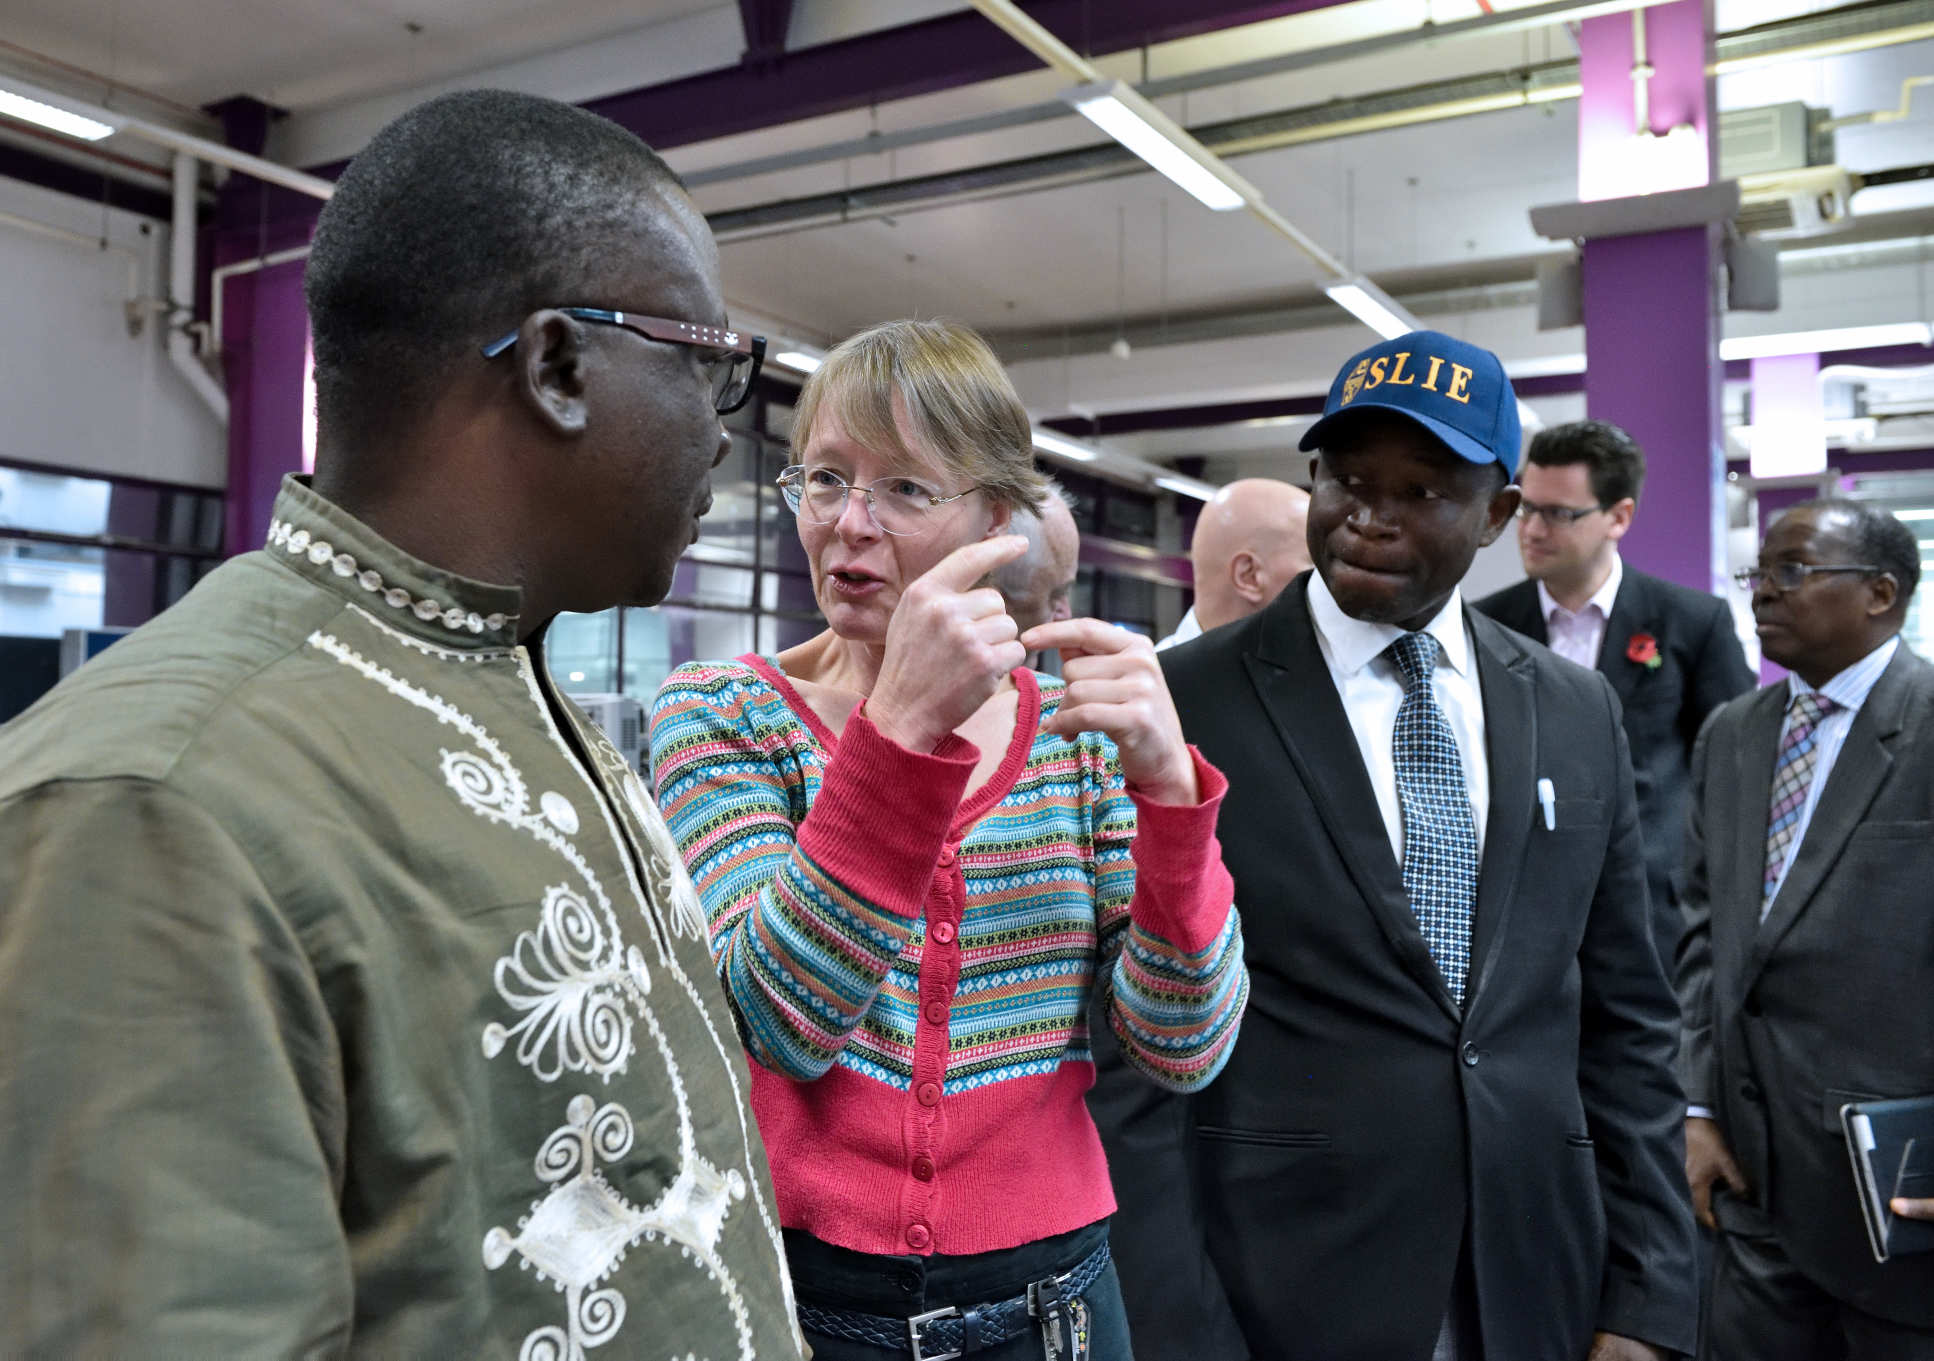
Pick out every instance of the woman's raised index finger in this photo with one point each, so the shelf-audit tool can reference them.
(964, 567)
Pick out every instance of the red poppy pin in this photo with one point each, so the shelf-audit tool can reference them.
(1644, 649)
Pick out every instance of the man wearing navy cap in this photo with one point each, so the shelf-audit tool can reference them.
(1450, 1128)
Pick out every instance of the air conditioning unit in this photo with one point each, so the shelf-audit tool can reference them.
(1773, 137)
(1795, 202)
(622, 720)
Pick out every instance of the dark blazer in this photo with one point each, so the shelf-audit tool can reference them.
(1831, 998)
(1364, 1129)
(1701, 667)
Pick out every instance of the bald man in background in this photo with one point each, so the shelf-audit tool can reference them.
(1249, 543)
(1037, 584)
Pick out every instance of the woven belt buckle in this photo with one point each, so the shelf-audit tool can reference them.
(919, 1321)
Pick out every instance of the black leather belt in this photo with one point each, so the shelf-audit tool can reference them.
(944, 1334)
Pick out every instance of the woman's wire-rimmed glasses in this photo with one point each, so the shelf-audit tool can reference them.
(732, 367)
(896, 505)
(1790, 576)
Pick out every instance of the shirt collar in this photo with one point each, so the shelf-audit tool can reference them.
(1353, 644)
(1602, 597)
(1851, 687)
(325, 543)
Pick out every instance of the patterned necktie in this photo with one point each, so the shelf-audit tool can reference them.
(1439, 833)
(1792, 777)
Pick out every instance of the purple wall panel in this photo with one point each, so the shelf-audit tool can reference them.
(266, 338)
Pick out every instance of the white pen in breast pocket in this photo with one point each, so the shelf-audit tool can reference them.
(1548, 800)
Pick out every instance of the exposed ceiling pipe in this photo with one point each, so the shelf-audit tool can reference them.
(1809, 36)
(875, 143)
(1008, 17)
(218, 284)
(181, 288)
(200, 148)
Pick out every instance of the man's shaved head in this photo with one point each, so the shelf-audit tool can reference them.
(1250, 541)
(1036, 584)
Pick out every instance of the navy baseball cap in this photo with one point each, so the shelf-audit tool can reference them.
(1454, 389)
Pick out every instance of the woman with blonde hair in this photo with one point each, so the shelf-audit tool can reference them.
(921, 864)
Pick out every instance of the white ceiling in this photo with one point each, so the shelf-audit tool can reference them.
(1437, 197)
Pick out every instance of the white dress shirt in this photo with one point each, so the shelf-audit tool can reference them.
(1580, 636)
(1190, 627)
(1371, 689)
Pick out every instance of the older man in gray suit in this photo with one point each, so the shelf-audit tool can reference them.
(1804, 973)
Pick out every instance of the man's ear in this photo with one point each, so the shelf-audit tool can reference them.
(1001, 519)
(1246, 574)
(550, 357)
(1621, 515)
(1883, 592)
(1504, 505)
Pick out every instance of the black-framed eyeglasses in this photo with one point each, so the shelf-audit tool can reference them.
(733, 365)
(1790, 576)
(1556, 517)
(897, 505)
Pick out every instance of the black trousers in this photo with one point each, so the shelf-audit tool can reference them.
(901, 1287)
(1761, 1308)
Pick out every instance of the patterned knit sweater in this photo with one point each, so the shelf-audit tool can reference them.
(912, 965)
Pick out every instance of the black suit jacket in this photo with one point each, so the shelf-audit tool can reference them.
(1831, 998)
(1313, 1201)
(1701, 667)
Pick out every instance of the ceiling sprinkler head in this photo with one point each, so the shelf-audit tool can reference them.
(1121, 349)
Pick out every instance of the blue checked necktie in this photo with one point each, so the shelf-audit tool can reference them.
(1439, 834)
(1792, 777)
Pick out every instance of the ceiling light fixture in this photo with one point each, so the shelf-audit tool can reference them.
(44, 108)
(1127, 116)
(799, 361)
(1065, 448)
(1372, 306)
(1828, 341)
(1185, 486)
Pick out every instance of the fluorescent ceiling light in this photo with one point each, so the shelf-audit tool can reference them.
(799, 361)
(1066, 448)
(1821, 342)
(1122, 113)
(1371, 306)
(1185, 486)
(31, 104)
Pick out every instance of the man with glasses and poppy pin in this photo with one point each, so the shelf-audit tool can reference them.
(354, 1000)
(1803, 977)
(1670, 652)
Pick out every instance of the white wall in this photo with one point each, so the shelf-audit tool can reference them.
(76, 390)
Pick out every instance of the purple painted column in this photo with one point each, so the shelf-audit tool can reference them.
(1650, 301)
(264, 345)
(1651, 365)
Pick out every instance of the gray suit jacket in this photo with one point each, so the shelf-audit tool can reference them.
(1831, 998)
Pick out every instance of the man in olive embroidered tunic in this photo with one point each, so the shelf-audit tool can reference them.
(353, 998)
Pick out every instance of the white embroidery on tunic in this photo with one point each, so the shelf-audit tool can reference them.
(559, 812)
(300, 543)
(576, 1236)
(469, 655)
(580, 991)
(564, 978)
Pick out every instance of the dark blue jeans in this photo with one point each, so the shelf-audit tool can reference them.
(900, 1287)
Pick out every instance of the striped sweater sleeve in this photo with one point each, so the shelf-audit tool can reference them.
(806, 919)
(1171, 941)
